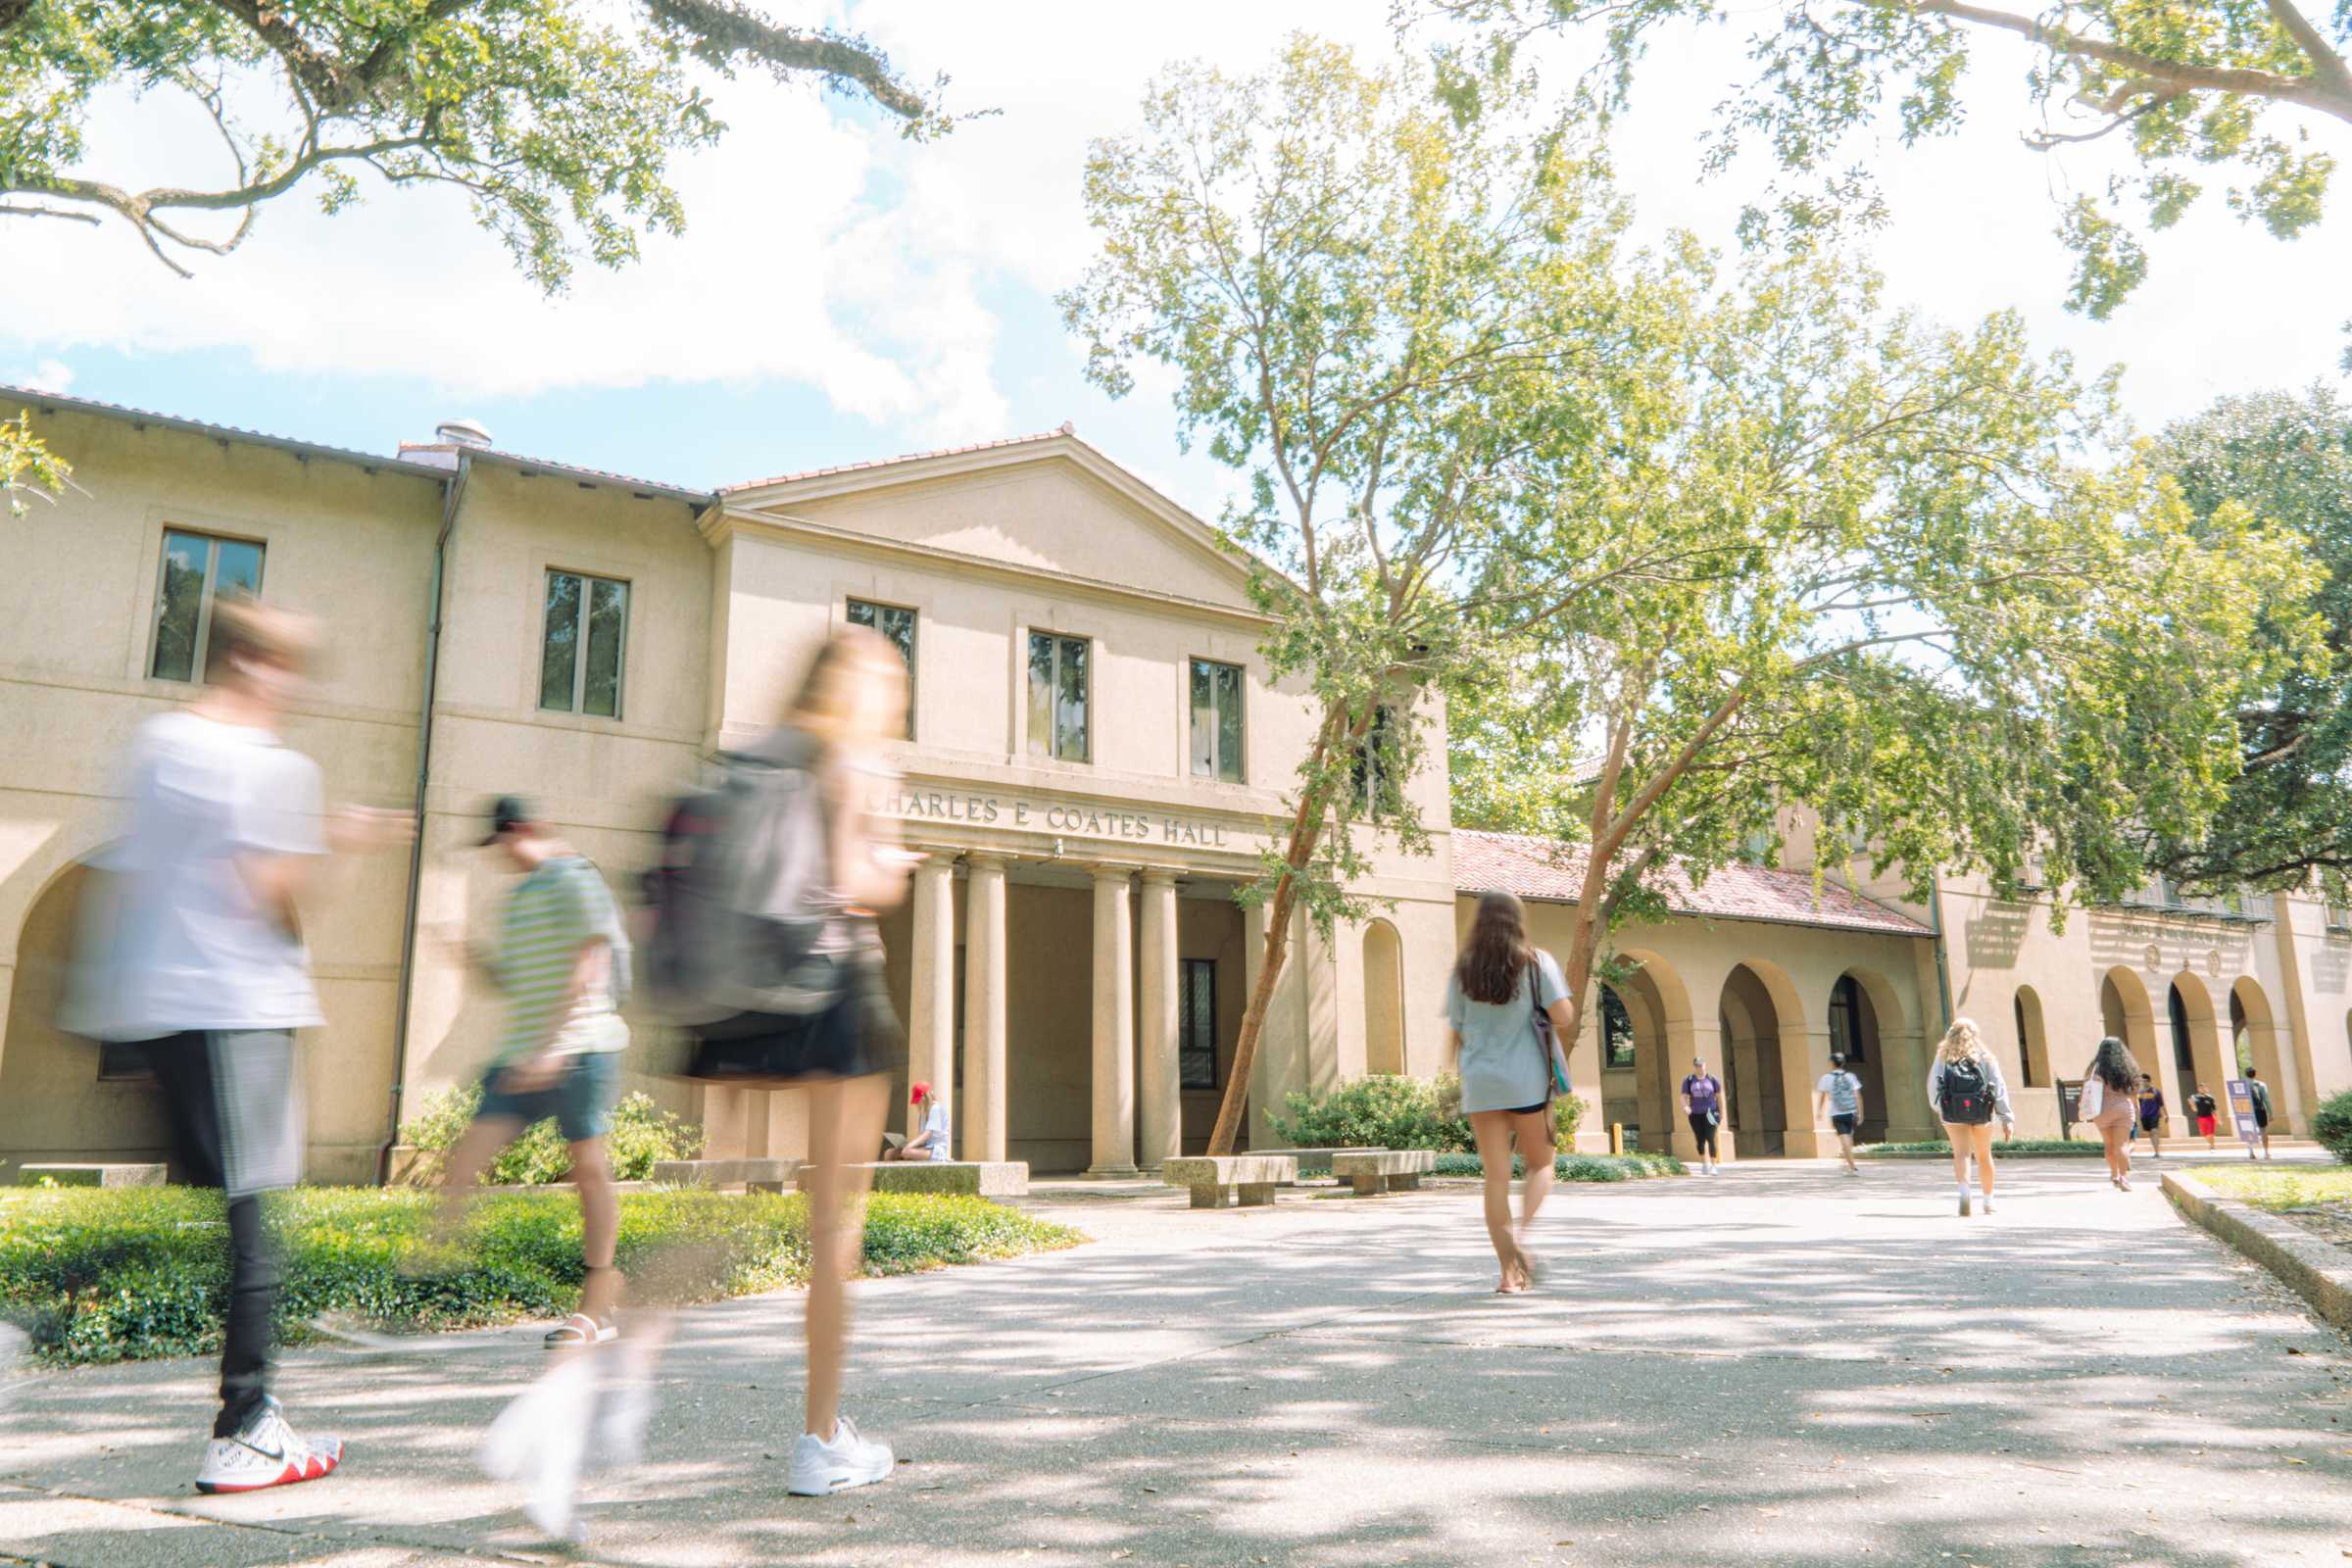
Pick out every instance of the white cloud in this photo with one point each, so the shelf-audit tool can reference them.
(49, 376)
(836, 256)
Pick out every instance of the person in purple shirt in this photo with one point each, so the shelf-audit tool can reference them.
(1702, 1103)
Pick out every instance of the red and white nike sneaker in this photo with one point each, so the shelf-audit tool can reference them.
(266, 1453)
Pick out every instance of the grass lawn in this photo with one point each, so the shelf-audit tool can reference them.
(2277, 1187)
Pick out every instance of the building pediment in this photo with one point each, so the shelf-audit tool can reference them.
(1048, 503)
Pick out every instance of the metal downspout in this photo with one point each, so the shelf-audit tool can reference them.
(452, 497)
(1944, 973)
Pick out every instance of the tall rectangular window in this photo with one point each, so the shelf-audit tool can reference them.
(1057, 696)
(198, 569)
(1377, 766)
(1216, 721)
(897, 626)
(581, 644)
(1196, 1024)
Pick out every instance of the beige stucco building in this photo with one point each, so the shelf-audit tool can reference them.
(1094, 754)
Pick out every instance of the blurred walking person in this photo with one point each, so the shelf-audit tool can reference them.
(764, 903)
(2151, 1116)
(561, 964)
(2260, 1093)
(196, 952)
(2204, 1107)
(1965, 1087)
(1839, 1093)
(1506, 1012)
(2111, 1104)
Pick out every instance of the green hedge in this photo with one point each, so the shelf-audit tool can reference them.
(2331, 1125)
(1941, 1149)
(642, 1133)
(1388, 1110)
(1631, 1167)
(130, 1274)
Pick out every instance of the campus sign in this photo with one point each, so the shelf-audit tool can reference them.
(2241, 1111)
(1068, 819)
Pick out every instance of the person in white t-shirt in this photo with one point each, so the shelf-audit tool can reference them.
(192, 947)
(933, 1141)
(1839, 1092)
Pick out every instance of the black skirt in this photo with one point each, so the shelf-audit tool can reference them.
(846, 1038)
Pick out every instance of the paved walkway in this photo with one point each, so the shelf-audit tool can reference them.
(1778, 1366)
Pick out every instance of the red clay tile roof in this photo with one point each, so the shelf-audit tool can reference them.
(1554, 872)
(1066, 428)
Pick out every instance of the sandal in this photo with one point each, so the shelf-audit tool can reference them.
(580, 1328)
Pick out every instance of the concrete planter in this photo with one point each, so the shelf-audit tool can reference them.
(2316, 1270)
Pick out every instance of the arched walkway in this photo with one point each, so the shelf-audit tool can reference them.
(1867, 1025)
(54, 1102)
(2197, 1053)
(2260, 1044)
(2125, 1011)
(1766, 1062)
(1383, 998)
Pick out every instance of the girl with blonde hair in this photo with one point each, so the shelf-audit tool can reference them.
(1966, 1089)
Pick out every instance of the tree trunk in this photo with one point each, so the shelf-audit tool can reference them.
(1254, 1017)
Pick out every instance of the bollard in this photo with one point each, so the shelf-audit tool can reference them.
(1616, 1138)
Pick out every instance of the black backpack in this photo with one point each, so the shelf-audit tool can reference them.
(1965, 1095)
(742, 891)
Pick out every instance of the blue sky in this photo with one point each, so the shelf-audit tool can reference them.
(841, 295)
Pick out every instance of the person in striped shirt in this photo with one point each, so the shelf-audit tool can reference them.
(561, 964)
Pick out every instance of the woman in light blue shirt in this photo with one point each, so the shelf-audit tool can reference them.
(1499, 997)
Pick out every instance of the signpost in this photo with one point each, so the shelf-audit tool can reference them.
(2070, 1106)
(2241, 1111)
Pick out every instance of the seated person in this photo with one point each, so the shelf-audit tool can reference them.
(931, 1141)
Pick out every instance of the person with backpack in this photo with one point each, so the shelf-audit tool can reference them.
(192, 947)
(763, 933)
(1506, 1010)
(2204, 1107)
(561, 964)
(1702, 1104)
(2111, 1104)
(2261, 1095)
(1965, 1087)
(1839, 1092)
(2151, 1116)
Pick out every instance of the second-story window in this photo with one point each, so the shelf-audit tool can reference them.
(1377, 770)
(1057, 696)
(198, 569)
(897, 624)
(1216, 721)
(580, 645)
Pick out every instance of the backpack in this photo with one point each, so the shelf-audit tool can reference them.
(1964, 1098)
(742, 890)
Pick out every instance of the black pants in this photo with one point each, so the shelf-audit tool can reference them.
(1702, 1128)
(183, 1069)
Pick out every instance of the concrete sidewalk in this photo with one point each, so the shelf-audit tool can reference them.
(1779, 1365)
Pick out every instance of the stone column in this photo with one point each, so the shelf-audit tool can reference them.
(1804, 1058)
(984, 1007)
(1162, 1087)
(931, 987)
(1115, 1025)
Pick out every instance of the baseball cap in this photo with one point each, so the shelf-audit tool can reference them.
(507, 813)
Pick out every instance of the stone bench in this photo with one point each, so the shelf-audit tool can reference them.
(127, 1175)
(1374, 1171)
(1317, 1161)
(968, 1178)
(751, 1175)
(1227, 1181)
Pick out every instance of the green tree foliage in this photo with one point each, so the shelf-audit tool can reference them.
(1906, 593)
(558, 118)
(28, 470)
(2287, 458)
(1386, 317)
(2194, 88)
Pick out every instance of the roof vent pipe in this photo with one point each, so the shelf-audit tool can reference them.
(462, 433)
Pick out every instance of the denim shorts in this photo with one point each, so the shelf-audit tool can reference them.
(581, 1099)
(1846, 1121)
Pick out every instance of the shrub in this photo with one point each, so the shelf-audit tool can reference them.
(128, 1274)
(642, 1133)
(1388, 1110)
(2331, 1125)
(1636, 1166)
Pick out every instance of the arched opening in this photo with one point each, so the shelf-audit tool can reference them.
(1656, 1011)
(2032, 1047)
(1762, 1044)
(1383, 998)
(2261, 1048)
(63, 1097)
(2124, 1013)
(1855, 1035)
(2197, 1036)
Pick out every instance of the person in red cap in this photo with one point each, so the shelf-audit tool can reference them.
(932, 1142)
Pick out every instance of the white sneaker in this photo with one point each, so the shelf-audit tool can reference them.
(1987, 1203)
(819, 1467)
(266, 1453)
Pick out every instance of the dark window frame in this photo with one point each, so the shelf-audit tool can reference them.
(878, 612)
(1217, 770)
(1846, 1007)
(1191, 1023)
(208, 594)
(583, 611)
(1049, 745)
(1616, 1028)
